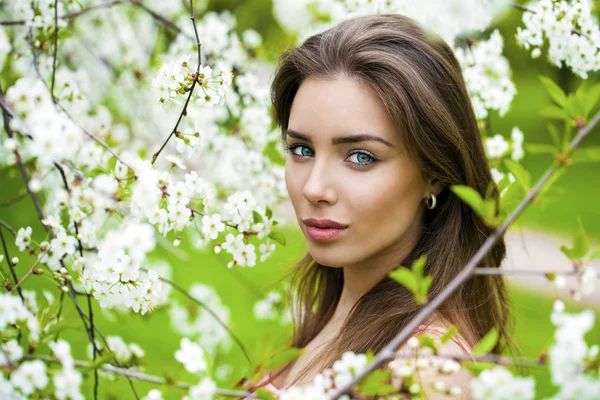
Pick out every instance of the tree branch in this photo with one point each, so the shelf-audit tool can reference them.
(389, 351)
(184, 111)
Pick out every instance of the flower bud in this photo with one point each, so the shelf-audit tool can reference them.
(15, 260)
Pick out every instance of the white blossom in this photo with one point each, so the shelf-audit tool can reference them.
(191, 356)
(29, 376)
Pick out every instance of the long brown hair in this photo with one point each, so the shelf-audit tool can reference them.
(419, 81)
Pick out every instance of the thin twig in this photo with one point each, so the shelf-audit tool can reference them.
(55, 48)
(184, 111)
(389, 351)
(135, 375)
(210, 311)
(27, 274)
(504, 271)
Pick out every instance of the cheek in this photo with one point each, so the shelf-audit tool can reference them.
(385, 204)
(293, 182)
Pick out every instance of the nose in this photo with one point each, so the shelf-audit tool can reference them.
(318, 187)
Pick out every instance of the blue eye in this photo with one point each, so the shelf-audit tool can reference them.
(295, 146)
(363, 158)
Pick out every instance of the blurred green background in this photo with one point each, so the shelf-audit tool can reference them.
(154, 333)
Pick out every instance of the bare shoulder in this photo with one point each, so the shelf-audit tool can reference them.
(440, 377)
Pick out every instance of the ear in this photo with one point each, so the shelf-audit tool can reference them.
(435, 186)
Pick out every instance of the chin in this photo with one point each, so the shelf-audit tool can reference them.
(332, 262)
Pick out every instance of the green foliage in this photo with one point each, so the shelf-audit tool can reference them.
(487, 343)
(581, 244)
(484, 208)
(427, 341)
(273, 154)
(413, 279)
(375, 383)
(452, 330)
(264, 394)
(256, 217)
(477, 367)
(278, 237)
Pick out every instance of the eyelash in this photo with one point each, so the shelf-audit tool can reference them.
(374, 159)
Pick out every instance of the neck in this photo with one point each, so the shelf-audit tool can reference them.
(360, 278)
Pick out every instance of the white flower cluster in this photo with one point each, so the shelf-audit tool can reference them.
(497, 147)
(268, 307)
(124, 353)
(27, 378)
(323, 384)
(174, 80)
(487, 75)
(39, 14)
(5, 46)
(450, 18)
(200, 325)
(205, 390)
(12, 310)
(498, 383)
(191, 355)
(414, 359)
(30, 376)
(571, 31)
(67, 382)
(54, 136)
(115, 279)
(241, 208)
(570, 354)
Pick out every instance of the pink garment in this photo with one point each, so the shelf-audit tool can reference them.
(273, 389)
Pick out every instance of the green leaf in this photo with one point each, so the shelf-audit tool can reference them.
(477, 367)
(586, 155)
(273, 153)
(269, 212)
(405, 277)
(595, 253)
(581, 243)
(554, 135)
(424, 288)
(452, 330)
(539, 148)
(419, 264)
(593, 95)
(60, 326)
(557, 94)
(571, 106)
(551, 111)
(522, 176)
(504, 183)
(511, 197)
(264, 394)
(283, 358)
(100, 361)
(427, 341)
(487, 343)
(257, 217)
(278, 237)
(469, 196)
(374, 384)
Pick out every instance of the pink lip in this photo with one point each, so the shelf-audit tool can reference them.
(323, 234)
(324, 223)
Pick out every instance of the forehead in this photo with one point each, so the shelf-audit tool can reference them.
(331, 107)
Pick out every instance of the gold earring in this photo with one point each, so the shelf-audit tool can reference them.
(433, 202)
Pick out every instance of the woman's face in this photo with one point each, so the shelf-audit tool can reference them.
(370, 185)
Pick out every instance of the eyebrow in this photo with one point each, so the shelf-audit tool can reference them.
(344, 139)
